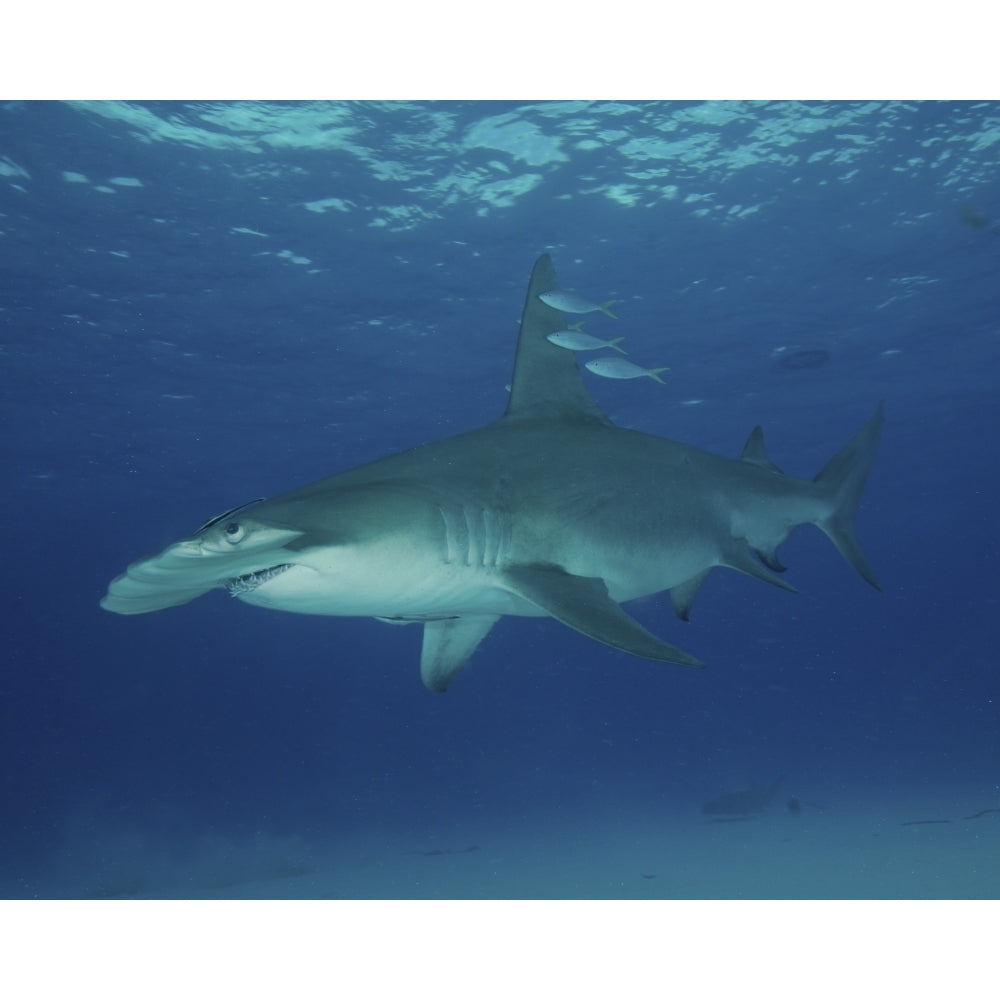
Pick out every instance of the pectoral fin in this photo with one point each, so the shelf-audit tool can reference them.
(583, 604)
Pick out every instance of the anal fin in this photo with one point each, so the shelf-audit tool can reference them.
(740, 556)
(583, 604)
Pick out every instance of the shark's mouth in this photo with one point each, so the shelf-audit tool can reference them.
(251, 581)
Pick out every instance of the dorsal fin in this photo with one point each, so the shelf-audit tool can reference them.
(547, 382)
(755, 452)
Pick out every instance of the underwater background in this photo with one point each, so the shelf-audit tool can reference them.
(203, 303)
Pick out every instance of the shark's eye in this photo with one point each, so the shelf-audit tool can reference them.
(235, 532)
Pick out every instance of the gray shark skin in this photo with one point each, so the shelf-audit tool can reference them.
(551, 510)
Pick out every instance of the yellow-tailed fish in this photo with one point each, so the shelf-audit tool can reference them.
(621, 368)
(576, 340)
(573, 302)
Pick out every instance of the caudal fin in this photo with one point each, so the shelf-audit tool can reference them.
(844, 478)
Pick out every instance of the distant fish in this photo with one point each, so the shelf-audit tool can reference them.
(793, 359)
(621, 368)
(574, 339)
(572, 302)
(748, 803)
(968, 214)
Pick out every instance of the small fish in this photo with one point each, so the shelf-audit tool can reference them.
(572, 302)
(574, 339)
(620, 368)
(743, 804)
(796, 358)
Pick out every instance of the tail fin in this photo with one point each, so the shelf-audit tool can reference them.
(844, 478)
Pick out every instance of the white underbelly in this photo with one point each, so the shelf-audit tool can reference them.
(444, 593)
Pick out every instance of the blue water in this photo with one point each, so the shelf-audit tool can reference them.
(206, 303)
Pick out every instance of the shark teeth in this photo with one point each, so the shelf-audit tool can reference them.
(251, 581)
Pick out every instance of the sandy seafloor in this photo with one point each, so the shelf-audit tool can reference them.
(898, 846)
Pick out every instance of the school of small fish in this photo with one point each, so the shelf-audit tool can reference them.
(574, 339)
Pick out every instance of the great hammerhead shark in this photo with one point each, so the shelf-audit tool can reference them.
(550, 510)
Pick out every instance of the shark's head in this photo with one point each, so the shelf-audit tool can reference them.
(383, 551)
(235, 550)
